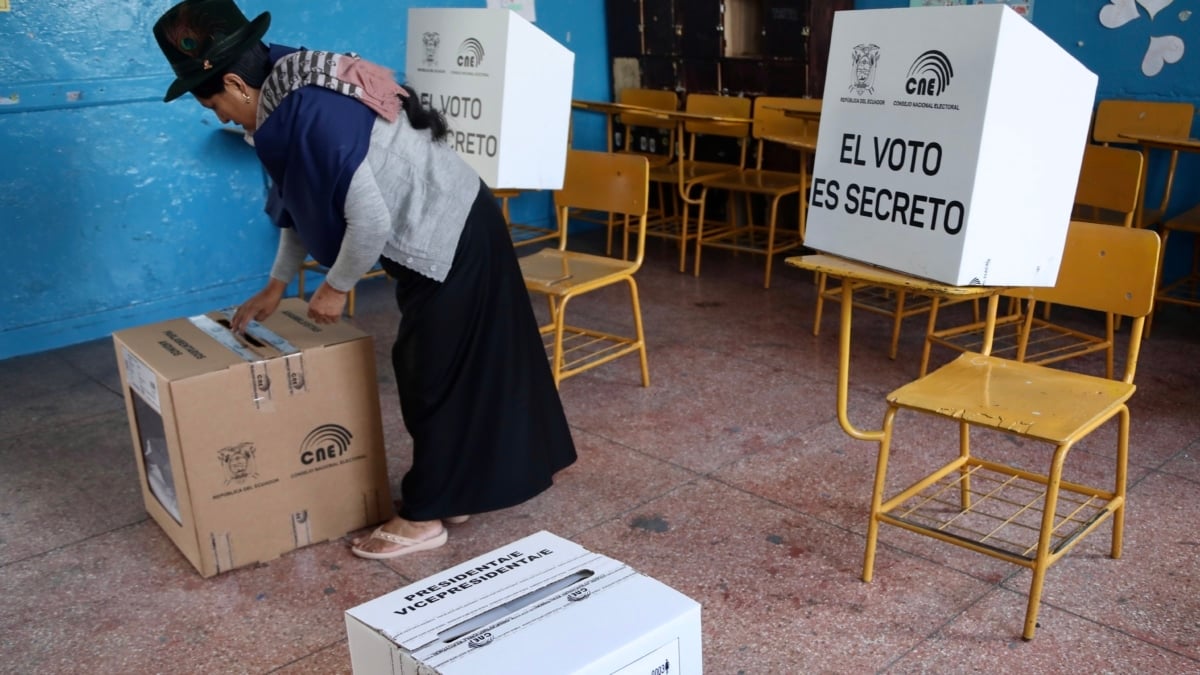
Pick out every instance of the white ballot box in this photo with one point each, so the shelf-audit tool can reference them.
(504, 87)
(542, 604)
(950, 144)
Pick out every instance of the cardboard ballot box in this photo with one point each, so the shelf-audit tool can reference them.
(950, 144)
(539, 605)
(249, 447)
(504, 87)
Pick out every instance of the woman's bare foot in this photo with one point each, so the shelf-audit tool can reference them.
(399, 537)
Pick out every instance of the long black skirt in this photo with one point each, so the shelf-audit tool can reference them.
(476, 391)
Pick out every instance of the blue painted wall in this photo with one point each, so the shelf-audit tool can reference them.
(118, 210)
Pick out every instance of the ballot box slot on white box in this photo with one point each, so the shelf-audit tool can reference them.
(541, 604)
(495, 614)
(417, 615)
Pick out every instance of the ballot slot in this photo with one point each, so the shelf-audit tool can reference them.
(498, 612)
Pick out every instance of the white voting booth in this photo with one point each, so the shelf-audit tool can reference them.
(950, 144)
(504, 87)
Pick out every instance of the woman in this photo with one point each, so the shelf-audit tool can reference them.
(361, 174)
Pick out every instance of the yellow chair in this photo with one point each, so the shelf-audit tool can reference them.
(1115, 117)
(594, 181)
(712, 116)
(1026, 517)
(661, 100)
(1109, 185)
(522, 234)
(310, 265)
(898, 305)
(1186, 289)
(1109, 181)
(772, 125)
(655, 99)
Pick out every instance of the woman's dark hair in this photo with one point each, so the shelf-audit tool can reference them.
(423, 117)
(253, 66)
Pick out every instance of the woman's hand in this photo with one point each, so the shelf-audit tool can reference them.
(258, 307)
(327, 304)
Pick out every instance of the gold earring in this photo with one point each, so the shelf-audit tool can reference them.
(246, 99)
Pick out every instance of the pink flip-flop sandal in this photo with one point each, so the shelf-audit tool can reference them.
(406, 545)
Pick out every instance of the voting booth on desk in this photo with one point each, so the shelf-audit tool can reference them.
(504, 87)
(542, 604)
(950, 144)
(250, 447)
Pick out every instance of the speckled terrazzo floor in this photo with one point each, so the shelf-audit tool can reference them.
(728, 479)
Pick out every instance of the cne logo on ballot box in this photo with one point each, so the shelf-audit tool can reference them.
(950, 144)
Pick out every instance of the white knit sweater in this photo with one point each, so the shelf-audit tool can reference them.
(407, 201)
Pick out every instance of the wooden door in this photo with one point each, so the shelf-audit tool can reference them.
(820, 32)
(624, 21)
(700, 28)
(659, 20)
(785, 28)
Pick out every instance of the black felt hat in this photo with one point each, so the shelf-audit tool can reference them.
(201, 38)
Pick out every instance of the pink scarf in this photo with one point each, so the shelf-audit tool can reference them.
(347, 74)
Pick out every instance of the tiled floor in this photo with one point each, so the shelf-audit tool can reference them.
(728, 478)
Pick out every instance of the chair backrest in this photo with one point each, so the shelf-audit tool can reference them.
(770, 120)
(779, 118)
(617, 183)
(1160, 118)
(657, 99)
(1114, 118)
(1108, 269)
(1110, 179)
(603, 181)
(717, 106)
